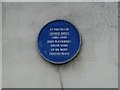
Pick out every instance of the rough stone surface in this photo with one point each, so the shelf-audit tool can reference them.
(96, 66)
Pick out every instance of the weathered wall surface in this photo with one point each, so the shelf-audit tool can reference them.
(95, 66)
(1, 44)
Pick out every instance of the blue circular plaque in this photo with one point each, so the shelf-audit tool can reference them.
(59, 41)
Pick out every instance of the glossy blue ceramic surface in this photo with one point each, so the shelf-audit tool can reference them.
(59, 41)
